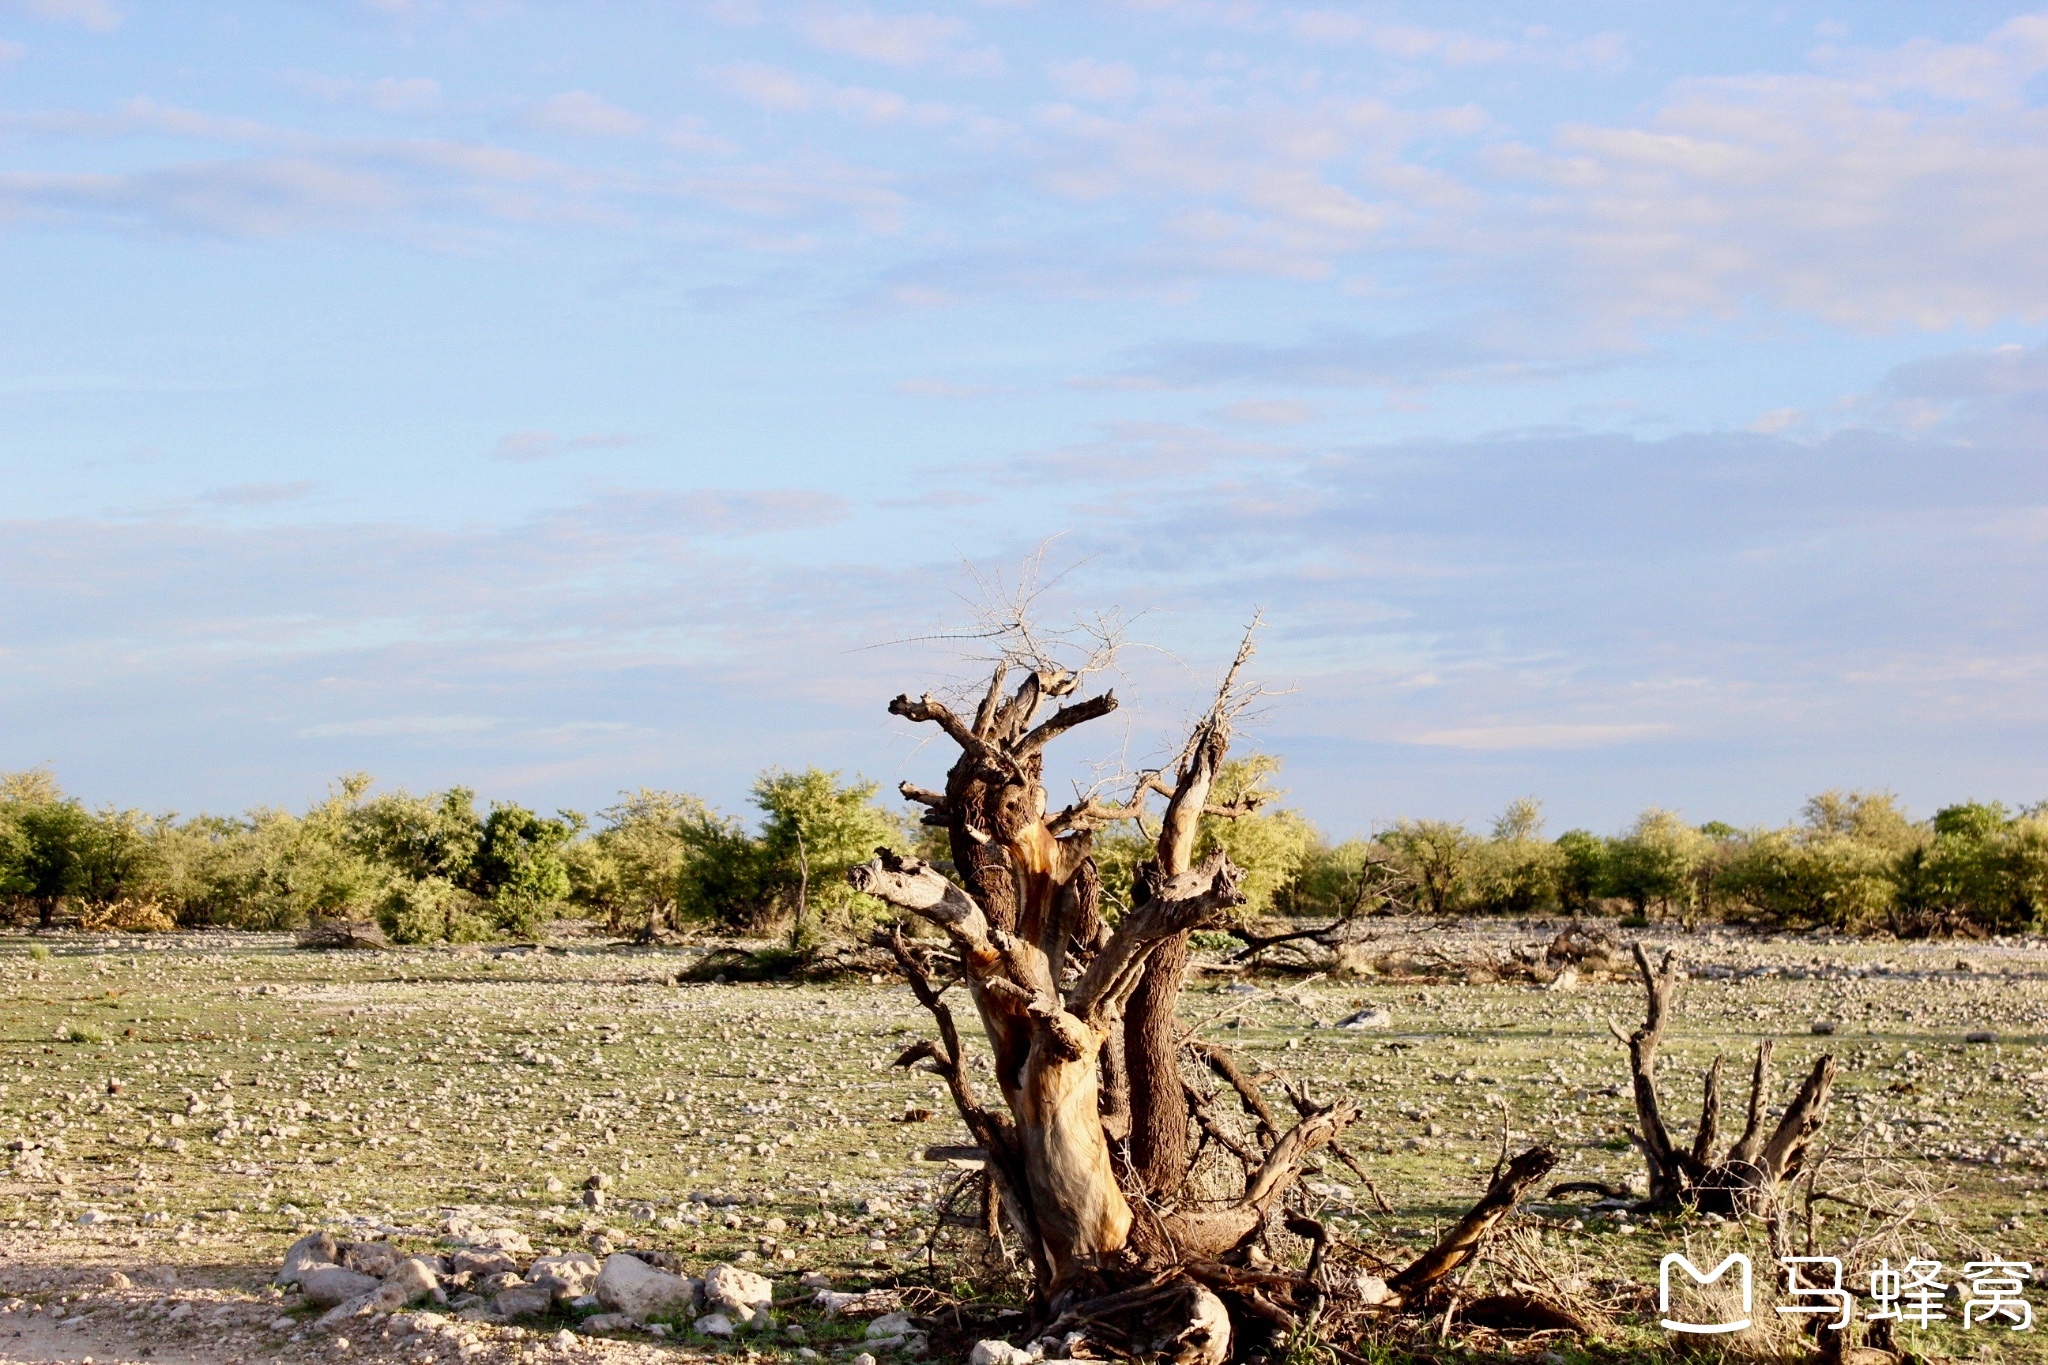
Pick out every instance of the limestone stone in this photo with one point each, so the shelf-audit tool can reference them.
(308, 1253)
(635, 1288)
(329, 1285)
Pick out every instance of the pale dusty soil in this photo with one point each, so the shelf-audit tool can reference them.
(76, 1300)
(260, 1091)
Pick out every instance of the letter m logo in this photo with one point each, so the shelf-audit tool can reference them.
(1738, 1260)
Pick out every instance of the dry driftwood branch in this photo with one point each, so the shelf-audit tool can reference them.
(1463, 1241)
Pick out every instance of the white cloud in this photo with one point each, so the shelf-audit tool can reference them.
(97, 15)
(398, 725)
(782, 90)
(1547, 735)
(260, 494)
(1851, 197)
(1256, 187)
(578, 113)
(1995, 69)
(904, 40)
(386, 94)
(1086, 79)
(528, 446)
(1275, 412)
(1407, 42)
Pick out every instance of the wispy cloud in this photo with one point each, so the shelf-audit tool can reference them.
(260, 494)
(1553, 735)
(532, 444)
(1805, 193)
(578, 113)
(783, 90)
(97, 15)
(945, 388)
(901, 40)
(384, 94)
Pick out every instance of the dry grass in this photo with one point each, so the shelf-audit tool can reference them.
(262, 1090)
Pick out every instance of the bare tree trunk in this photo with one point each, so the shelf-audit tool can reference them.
(1747, 1178)
(1081, 1024)
(1159, 1106)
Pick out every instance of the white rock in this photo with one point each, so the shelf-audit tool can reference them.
(522, 1300)
(1371, 1289)
(509, 1240)
(741, 1293)
(308, 1253)
(863, 1359)
(998, 1353)
(567, 1276)
(814, 1279)
(565, 1339)
(1567, 979)
(371, 1258)
(638, 1290)
(1371, 1017)
(411, 1280)
(329, 1285)
(889, 1325)
(713, 1325)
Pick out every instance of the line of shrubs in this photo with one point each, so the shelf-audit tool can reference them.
(435, 867)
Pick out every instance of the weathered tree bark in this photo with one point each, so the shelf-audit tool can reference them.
(1747, 1177)
(1088, 1153)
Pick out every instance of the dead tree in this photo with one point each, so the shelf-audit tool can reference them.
(1744, 1179)
(1089, 1142)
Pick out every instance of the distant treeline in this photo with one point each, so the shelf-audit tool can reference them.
(436, 867)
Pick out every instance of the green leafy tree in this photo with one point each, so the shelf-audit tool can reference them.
(519, 869)
(814, 828)
(1438, 855)
(1356, 877)
(421, 837)
(1516, 872)
(1838, 867)
(633, 867)
(1269, 843)
(1581, 869)
(52, 844)
(1984, 868)
(724, 878)
(1656, 863)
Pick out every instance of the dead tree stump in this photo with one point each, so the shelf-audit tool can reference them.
(1745, 1179)
(1089, 1135)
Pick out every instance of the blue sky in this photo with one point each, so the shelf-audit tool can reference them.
(1641, 406)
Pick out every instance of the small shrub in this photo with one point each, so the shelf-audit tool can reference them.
(126, 916)
(39, 952)
(79, 1033)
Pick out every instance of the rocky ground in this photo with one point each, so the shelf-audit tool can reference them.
(176, 1110)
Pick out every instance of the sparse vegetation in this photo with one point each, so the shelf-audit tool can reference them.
(433, 869)
(264, 1090)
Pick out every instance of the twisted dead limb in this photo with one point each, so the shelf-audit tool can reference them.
(1089, 1151)
(1747, 1177)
